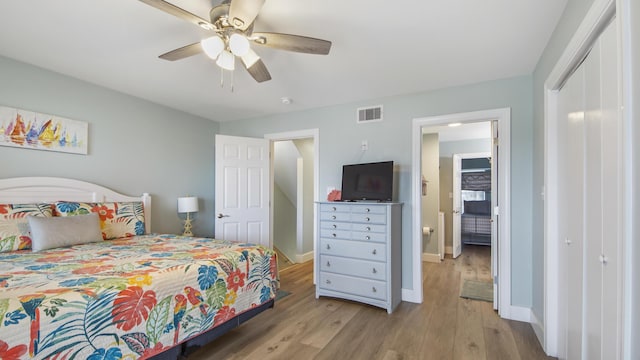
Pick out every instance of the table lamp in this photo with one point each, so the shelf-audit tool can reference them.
(188, 205)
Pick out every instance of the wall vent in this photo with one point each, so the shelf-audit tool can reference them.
(369, 114)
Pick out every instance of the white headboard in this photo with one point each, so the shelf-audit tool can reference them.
(52, 189)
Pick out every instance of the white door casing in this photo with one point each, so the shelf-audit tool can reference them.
(495, 210)
(242, 192)
(457, 206)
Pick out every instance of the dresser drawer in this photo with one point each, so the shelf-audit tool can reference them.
(334, 208)
(335, 225)
(347, 266)
(353, 249)
(366, 236)
(369, 218)
(368, 209)
(335, 234)
(369, 228)
(335, 216)
(362, 287)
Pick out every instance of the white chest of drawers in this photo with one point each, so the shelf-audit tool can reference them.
(359, 252)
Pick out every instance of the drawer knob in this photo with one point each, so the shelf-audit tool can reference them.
(328, 281)
(375, 271)
(328, 247)
(334, 234)
(328, 264)
(374, 252)
(335, 226)
(368, 228)
(374, 289)
(333, 217)
(334, 208)
(368, 210)
(368, 219)
(368, 237)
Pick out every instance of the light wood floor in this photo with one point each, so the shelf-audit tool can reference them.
(444, 326)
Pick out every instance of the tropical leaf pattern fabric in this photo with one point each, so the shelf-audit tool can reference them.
(117, 219)
(127, 298)
(14, 226)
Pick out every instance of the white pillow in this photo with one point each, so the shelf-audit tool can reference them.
(53, 232)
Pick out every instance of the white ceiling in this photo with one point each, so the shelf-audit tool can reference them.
(379, 49)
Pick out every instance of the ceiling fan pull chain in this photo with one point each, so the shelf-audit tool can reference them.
(221, 77)
(232, 78)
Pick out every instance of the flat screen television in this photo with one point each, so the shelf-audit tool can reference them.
(367, 182)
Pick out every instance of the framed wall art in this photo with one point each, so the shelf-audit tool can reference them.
(31, 130)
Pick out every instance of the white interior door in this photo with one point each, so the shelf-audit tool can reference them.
(242, 189)
(457, 205)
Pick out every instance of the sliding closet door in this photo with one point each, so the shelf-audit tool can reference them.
(571, 171)
(589, 169)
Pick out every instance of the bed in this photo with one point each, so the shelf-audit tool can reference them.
(140, 295)
(476, 222)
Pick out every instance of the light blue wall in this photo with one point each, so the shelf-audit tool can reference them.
(135, 146)
(340, 139)
(571, 18)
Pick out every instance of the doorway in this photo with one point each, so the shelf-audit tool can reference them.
(294, 179)
(501, 267)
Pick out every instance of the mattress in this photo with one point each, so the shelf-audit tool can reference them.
(127, 298)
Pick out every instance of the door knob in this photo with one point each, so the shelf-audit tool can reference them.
(221, 215)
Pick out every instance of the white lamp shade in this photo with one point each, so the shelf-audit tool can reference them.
(238, 44)
(226, 60)
(212, 46)
(188, 204)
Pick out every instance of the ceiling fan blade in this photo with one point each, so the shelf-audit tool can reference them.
(242, 13)
(258, 71)
(297, 43)
(179, 12)
(183, 52)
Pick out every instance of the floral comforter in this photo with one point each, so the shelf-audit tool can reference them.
(126, 298)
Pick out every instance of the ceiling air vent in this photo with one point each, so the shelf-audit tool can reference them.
(369, 114)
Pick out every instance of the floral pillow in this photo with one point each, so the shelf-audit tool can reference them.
(117, 219)
(14, 226)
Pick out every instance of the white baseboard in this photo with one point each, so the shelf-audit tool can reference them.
(301, 258)
(435, 258)
(411, 296)
(538, 328)
(518, 313)
(448, 250)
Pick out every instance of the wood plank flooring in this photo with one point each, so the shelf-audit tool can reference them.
(444, 326)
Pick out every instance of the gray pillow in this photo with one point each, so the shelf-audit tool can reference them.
(53, 232)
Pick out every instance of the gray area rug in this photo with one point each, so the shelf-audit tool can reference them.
(477, 290)
(281, 293)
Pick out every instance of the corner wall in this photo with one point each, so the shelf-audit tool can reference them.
(135, 146)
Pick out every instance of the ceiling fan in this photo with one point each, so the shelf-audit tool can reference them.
(232, 21)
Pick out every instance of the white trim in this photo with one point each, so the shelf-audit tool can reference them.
(598, 17)
(52, 189)
(521, 313)
(434, 258)
(294, 135)
(503, 116)
(301, 258)
(538, 327)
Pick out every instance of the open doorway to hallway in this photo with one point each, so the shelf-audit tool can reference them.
(294, 179)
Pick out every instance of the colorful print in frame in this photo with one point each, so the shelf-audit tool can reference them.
(30, 130)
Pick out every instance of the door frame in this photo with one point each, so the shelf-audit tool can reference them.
(503, 116)
(295, 135)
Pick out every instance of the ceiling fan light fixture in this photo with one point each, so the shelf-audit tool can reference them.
(212, 46)
(238, 44)
(250, 58)
(226, 60)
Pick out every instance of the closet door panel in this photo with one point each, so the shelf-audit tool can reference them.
(592, 336)
(571, 148)
(611, 201)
